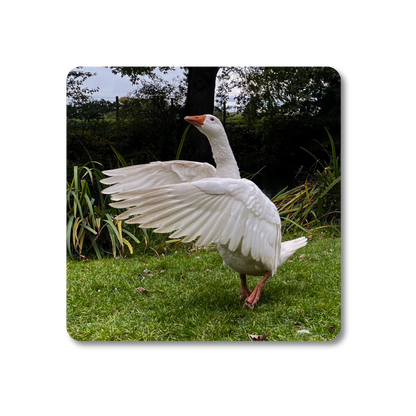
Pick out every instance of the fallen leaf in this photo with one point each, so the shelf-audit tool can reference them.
(320, 237)
(297, 326)
(302, 256)
(310, 237)
(142, 290)
(261, 337)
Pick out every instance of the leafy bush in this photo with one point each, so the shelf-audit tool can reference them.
(315, 202)
(91, 229)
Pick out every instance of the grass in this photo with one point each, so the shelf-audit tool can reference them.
(191, 296)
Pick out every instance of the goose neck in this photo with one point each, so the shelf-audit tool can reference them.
(224, 158)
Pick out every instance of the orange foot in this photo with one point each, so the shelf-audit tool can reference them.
(255, 295)
(253, 298)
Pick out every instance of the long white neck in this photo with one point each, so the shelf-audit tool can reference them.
(224, 158)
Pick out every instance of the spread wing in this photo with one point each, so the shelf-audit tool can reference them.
(227, 211)
(155, 174)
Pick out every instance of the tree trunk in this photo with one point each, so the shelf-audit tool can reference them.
(200, 100)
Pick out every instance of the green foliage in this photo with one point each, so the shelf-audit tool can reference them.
(268, 91)
(281, 110)
(91, 229)
(315, 202)
(135, 73)
(178, 153)
(91, 110)
(74, 86)
(147, 127)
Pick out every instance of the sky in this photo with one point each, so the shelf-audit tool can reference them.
(112, 85)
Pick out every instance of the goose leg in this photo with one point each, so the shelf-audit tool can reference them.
(255, 295)
(245, 291)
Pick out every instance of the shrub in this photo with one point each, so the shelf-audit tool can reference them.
(315, 202)
(90, 228)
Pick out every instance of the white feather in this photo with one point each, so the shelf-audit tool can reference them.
(154, 174)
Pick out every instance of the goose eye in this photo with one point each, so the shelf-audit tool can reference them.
(212, 118)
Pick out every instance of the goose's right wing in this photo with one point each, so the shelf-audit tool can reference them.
(227, 211)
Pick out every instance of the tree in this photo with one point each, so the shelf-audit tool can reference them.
(91, 110)
(199, 100)
(77, 94)
(201, 89)
(268, 91)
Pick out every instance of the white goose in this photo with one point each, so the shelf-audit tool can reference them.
(196, 200)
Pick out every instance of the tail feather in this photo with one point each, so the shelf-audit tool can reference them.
(290, 247)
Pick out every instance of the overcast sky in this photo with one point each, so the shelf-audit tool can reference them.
(114, 85)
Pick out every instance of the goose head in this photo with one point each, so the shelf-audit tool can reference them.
(207, 124)
(214, 131)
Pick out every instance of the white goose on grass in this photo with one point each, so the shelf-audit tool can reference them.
(194, 199)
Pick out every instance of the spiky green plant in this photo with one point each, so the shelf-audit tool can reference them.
(89, 227)
(315, 202)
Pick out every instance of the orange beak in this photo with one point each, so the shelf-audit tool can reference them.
(197, 121)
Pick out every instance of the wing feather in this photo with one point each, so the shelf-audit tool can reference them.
(155, 174)
(232, 212)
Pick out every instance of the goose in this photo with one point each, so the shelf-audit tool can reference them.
(193, 199)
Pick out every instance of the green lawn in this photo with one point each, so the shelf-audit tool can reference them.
(191, 296)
